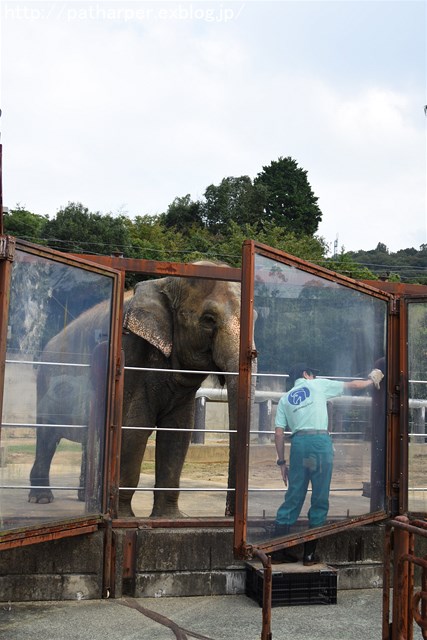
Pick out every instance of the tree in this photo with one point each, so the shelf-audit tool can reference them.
(233, 200)
(381, 248)
(25, 225)
(182, 214)
(289, 199)
(75, 229)
(229, 246)
(406, 265)
(347, 266)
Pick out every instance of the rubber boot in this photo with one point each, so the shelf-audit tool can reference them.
(283, 555)
(309, 557)
(281, 529)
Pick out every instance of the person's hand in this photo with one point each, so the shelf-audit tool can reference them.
(376, 376)
(285, 472)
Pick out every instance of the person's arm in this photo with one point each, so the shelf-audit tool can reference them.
(279, 441)
(357, 385)
(374, 378)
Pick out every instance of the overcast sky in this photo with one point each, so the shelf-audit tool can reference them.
(124, 106)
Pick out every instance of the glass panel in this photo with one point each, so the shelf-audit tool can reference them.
(56, 378)
(178, 330)
(202, 484)
(341, 332)
(417, 376)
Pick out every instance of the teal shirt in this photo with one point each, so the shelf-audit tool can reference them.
(304, 406)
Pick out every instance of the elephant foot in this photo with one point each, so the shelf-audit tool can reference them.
(173, 513)
(125, 511)
(40, 496)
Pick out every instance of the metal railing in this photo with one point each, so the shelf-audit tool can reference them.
(403, 602)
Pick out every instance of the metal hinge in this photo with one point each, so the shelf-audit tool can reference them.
(120, 363)
(395, 307)
(7, 248)
(395, 401)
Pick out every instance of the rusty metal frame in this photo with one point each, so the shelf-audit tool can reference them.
(396, 468)
(64, 527)
(405, 302)
(7, 252)
(152, 267)
(396, 439)
(407, 606)
(241, 548)
(117, 266)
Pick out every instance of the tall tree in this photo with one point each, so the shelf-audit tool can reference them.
(289, 199)
(233, 200)
(182, 214)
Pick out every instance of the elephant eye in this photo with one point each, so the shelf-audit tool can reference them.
(208, 319)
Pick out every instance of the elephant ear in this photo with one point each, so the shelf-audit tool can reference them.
(148, 316)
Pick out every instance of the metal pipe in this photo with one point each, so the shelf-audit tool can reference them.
(26, 425)
(400, 626)
(45, 362)
(266, 593)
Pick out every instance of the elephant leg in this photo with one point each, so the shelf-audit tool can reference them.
(132, 452)
(47, 441)
(171, 450)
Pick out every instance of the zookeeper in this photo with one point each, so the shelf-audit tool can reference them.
(303, 411)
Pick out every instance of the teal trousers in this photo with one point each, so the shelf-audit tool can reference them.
(311, 460)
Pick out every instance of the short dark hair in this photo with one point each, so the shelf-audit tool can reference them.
(297, 371)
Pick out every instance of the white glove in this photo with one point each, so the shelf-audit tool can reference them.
(376, 376)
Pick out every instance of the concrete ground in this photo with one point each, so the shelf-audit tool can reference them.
(357, 615)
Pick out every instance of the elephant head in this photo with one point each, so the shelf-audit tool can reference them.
(190, 324)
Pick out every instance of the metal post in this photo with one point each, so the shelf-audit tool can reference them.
(266, 594)
(386, 629)
(265, 417)
(401, 580)
(198, 437)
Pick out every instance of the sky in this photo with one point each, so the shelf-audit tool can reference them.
(124, 106)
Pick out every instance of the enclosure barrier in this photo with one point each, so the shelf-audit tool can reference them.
(407, 604)
(265, 399)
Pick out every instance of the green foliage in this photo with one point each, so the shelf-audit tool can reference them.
(289, 201)
(75, 229)
(230, 245)
(183, 214)
(233, 200)
(406, 265)
(344, 264)
(25, 225)
(278, 208)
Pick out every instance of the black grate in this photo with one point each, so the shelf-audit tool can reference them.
(314, 587)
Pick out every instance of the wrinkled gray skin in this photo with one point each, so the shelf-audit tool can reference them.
(170, 323)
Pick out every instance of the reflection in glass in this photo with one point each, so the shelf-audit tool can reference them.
(417, 396)
(341, 332)
(56, 373)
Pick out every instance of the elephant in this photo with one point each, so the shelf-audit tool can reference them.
(170, 324)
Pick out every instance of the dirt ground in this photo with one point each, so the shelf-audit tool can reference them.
(266, 489)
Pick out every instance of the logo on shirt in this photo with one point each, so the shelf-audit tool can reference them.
(297, 396)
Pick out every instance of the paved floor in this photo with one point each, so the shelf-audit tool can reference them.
(357, 615)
